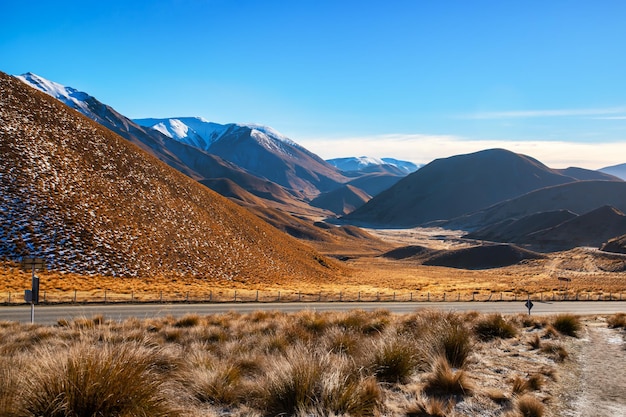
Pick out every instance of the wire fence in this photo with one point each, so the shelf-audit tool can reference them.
(250, 296)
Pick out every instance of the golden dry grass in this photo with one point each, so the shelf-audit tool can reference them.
(265, 363)
(368, 277)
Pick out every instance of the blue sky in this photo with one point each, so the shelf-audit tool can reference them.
(414, 80)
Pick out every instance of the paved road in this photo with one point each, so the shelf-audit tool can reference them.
(50, 314)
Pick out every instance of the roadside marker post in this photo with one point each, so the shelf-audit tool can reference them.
(32, 296)
(528, 304)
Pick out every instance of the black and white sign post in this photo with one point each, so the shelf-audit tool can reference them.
(32, 296)
(529, 304)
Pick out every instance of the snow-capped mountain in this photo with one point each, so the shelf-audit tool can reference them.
(260, 150)
(194, 131)
(366, 163)
(201, 133)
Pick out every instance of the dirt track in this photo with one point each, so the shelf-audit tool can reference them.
(598, 386)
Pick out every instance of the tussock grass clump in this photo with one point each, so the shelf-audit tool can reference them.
(189, 320)
(314, 322)
(530, 406)
(305, 380)
(394, 359)
(219, 384)
(453, 339)
(567, 324)
(535, 341)
(443, 381)
(556, 350)
(617, 320)
(97, 380)
(427, 407)
(342, 342)
(494, 326)
(497, 396)
(533, 383)
(363, 322)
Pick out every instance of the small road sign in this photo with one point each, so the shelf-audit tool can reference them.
(529, 305)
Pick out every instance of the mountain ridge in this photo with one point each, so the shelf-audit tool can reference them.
(450, 187)
(90, 202)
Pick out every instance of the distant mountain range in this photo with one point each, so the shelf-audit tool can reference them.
(496, 195)
(263, 163)
(368, 164)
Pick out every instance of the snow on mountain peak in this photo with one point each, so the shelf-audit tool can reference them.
(364, 162)
(172, 128)
(68, 95)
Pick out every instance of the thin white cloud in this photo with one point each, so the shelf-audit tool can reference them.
(425, 148)
(610, 118)
(516, 114)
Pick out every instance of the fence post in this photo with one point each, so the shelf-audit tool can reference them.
(278, 296)
(458, 296)
(10, 297)
(319, 298)
(187, 297)
(257, 296)
(410, 296)
(299, 296)
(377, 296)
(444, 296)
(105, 296)
(235, 299)
(428, 296)
(500, 295)
(359, 296)
(340, 296)
(132, 296)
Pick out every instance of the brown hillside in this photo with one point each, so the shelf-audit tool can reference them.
(590, 229)
(482, 257)
(415, 252)
(342, 200)
(91, 202)
(578, 197)
(514, 230)
(450, 187)
(616, 245)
